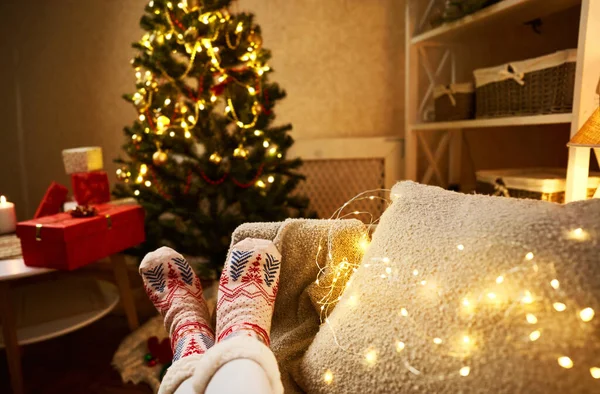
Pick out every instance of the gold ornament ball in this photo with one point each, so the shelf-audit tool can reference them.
(215, 158)
(240, 152)
(255, 39)
(159, 157)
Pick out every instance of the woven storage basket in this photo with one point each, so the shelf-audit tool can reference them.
(546, 184)
(454, 102)
(543, 85)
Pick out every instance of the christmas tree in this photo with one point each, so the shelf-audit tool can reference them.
(203, 155)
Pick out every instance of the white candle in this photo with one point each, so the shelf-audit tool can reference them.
(8, 218)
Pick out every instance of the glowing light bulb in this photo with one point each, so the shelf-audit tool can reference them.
(257, 133)
(466, 339)
(139, 179)
(400, 346)
(500, 279)
(586, 314)
(491, 296)
(167, 101)
(388, 270)
(386, 260)
(169, 36)
(460, 247)
(272, 151)
(137, 192)
(555, 284)
(239, 27)
(251, 90)
(465, 371)
(565, 362)
(213, 99)
(371, 357)
(142, 117)
(260, 184)
(559, 306)
(415, 272)
(187, 134)
(227, 109)
(534, 336)
(527, 298)
(437, 341)
(148, 183)
(466, 302)
(201, 107)
(352, 300)
(266, 144)
(191, 119)
(595, 372)
(279, 156)
(151, 4)
(529, 256)
(531, 319)
(271, 179)
(423, 282)
(404, 312)
(578, 232)
(134, 137)
(364, 244)
(172, 134)
(143, 169)
(328, 377)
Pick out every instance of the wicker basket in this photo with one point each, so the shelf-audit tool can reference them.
(454, 102)
(546, 184)
(543, 85)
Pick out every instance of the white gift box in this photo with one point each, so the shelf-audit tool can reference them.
(82, 159)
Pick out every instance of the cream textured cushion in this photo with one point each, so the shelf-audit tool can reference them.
(472, 294)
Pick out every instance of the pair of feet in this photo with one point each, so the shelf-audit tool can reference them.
(245, 301)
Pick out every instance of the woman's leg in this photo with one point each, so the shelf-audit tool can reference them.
(241, 361)
(176, 293)
(250, 378)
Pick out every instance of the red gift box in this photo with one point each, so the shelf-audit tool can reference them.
(63, 242)
(53, 200)
(90, 187)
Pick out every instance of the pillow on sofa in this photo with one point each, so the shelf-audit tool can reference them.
(467, 293)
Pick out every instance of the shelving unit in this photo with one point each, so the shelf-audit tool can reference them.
(506, 14)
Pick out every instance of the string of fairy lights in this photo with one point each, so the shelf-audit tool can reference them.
(505, 294)
(187, 107)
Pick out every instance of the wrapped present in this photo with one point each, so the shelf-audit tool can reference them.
(90, 187)
(82, 159)
(64, 242)
(53, 200)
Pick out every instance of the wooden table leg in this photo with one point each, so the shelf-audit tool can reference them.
(120, 270)
(11, 343)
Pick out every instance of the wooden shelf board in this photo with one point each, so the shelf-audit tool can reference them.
(513, 11)
(496, 122)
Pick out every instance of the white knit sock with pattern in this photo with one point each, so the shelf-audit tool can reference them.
(247, 290)
(175, 291)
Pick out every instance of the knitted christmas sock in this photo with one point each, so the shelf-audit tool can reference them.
(175, 291)
(247, 290)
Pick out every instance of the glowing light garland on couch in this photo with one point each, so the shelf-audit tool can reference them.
(502, 293)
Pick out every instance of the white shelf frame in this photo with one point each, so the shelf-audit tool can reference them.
(496, 122)
(514, 12)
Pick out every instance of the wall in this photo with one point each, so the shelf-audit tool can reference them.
(65, 65)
